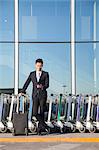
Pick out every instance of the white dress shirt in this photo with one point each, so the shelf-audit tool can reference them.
(38, 75)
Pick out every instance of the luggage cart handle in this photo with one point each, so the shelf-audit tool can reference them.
(25, 95)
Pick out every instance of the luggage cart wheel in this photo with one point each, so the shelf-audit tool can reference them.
(12, 130)
(92, 130)
(74, 129)
(61, 130)
(49, 130)
(33, 130)
(4, 130)
(26, 131)
(82, 130)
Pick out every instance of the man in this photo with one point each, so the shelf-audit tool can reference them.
(40, 80)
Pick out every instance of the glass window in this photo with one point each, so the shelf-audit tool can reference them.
(96, 22)
(87, 54)
(96, 58)
(87, 13)
(6, 20)
(6, 65)
(87, 71)
(44, 20)
(56, 61)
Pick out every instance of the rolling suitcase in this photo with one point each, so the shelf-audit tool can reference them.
(20, 124)
(20, 119)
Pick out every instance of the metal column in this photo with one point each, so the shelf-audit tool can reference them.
(94, 48)
(73, 55)
(16, 57)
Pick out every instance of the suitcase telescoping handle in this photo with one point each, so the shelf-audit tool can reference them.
(25, 98)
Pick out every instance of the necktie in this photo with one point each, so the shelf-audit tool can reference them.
(38, 78)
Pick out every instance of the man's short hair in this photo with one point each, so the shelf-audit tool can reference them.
(39, 60)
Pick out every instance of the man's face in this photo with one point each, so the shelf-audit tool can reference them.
(38, 66)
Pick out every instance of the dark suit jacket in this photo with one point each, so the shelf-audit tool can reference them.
(44, 80)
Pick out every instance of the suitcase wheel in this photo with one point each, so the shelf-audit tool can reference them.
(26, 131)
(13, 132)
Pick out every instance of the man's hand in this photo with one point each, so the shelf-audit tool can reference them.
(39, 86)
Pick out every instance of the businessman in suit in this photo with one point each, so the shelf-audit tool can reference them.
(40, 80)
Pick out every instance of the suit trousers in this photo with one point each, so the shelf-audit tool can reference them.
(39, 100)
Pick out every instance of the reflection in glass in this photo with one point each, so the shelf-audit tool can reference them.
(6, 66)
(56, 61)
(87, 61)
(6, 20)
(41, 20)
(87, 20)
